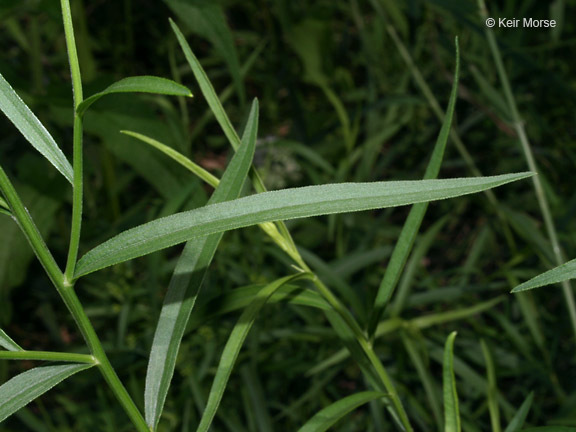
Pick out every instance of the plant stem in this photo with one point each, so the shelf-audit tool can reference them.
(47, 356)
(77, 144)
(518, 125)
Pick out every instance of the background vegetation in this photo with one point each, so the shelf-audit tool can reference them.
(339, 102)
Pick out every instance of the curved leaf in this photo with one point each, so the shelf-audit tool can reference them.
(558, 274)
(30, 127)
(274, 206)
(451, 410)
(327, 417)
(233, 346)
(24, 388)
(187, 281)
(7, 342)
(138, 84)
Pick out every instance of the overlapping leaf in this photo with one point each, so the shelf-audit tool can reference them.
(274, 206)
(7, 342)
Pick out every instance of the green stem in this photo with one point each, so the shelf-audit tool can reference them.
(518, 124)
(47, 356)
(29, 229)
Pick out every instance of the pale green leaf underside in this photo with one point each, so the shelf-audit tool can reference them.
(451, 410)
(7, 342)
(274, 206)
(327, 417)
(558, 274)
(187, 280)
(30, 127)
(138, 84)
(24, 388)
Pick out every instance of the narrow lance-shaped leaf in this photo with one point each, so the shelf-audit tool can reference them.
(410, 229)
(7, 342)
(187, 281)
(31, 128)
(520, 417)
(274, 206)
(24, 388)
(451, 410)
(233, 346)
(558, 274)
(330, 415)
(138, 84)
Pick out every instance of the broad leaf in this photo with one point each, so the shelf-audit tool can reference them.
(7, 342)
(233, 346)
(410, 229)
(187, 281)
(451, 410)
(558, 274)
(274, 206)
(327, 417)
(138, 84)
(31, 128)
(24, 388)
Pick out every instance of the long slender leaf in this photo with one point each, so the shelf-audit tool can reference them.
(233, 346)
(520, 417)
(138, 84)
(31, 128)
(492, 389)
(187, 281)
(328, 416)
(177, 156)
(410, 229)
(558, 274)
(274, 206)
(3, 203)
(451, 410)
(7, 342)
(24, 388)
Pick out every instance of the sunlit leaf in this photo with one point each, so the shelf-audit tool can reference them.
(31, 128)
(274, 206)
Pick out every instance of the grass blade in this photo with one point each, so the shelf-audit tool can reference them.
(177, 156)
(30, 127)
(410, 229)
(492, 389)
(451, 410)
(558, 274)
(187, 281)
(330, 415)
(24, 388)
(138, 84)
(7, 342)
(274, 206)
(232, 348)
(520, 416)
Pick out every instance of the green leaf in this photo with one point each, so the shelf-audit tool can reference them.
(31, 128)
(492, 390)
(274, 206)
(7, 342)
(187, 281)
(233, 346)
(4, 203)
(207, 89)
(520, 416)
(138, 84)
(328, 416)
(551, 429)
(177, 156)
(558, 274)
(412, 225)
(24, 388)
(207, 18)
(451, 410)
